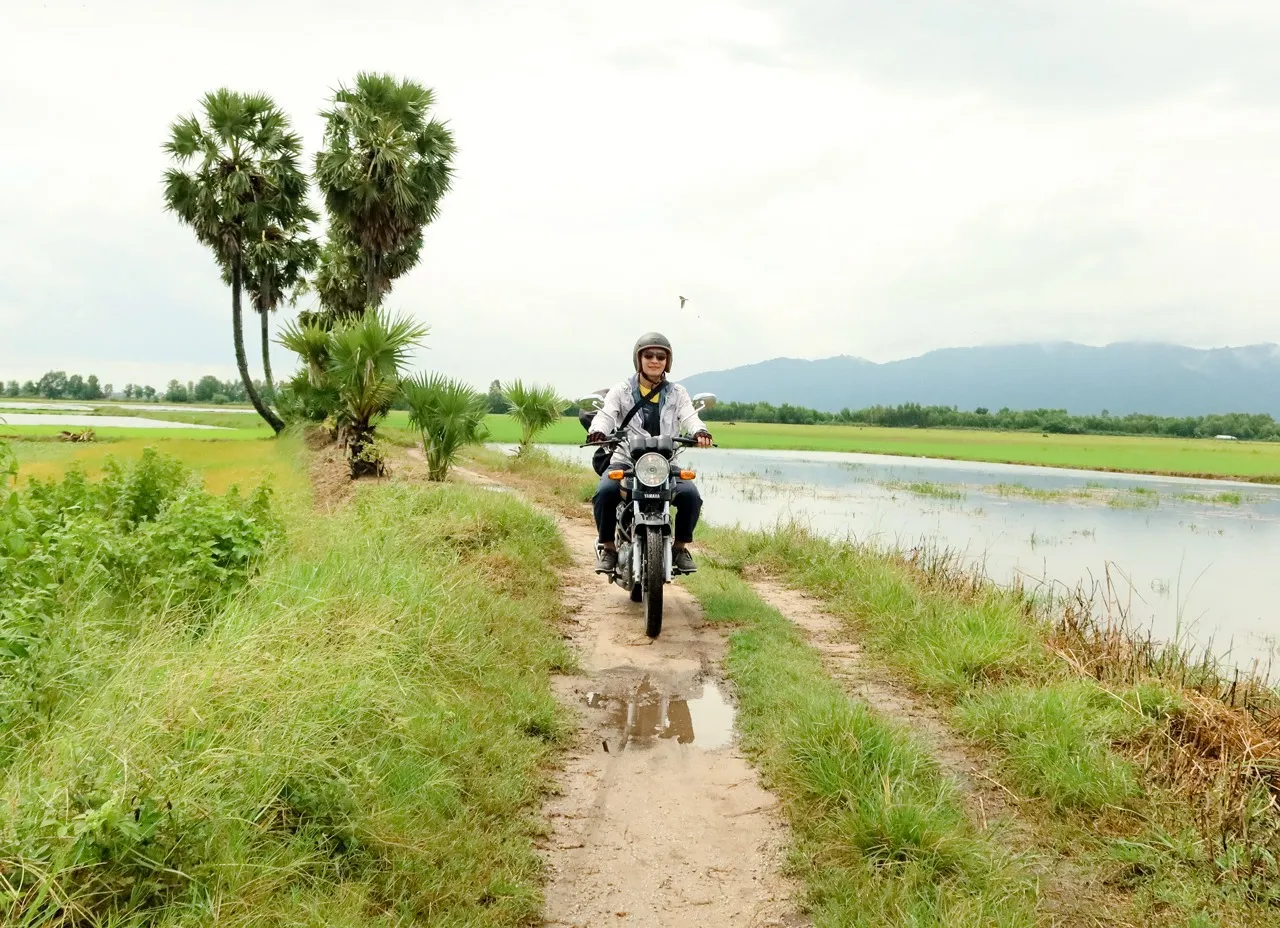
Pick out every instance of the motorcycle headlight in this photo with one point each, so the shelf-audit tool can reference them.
(652, 469)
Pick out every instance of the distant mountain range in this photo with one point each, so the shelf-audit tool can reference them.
(1125, 377)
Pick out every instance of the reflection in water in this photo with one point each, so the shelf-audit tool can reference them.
(649, 714)
(1189, 559)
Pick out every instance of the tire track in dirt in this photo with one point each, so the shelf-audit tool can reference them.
(1068, 894)
(659, 820)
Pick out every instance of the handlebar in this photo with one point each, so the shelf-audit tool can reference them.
(619, 439)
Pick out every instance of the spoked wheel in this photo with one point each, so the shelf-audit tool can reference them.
(655, 577)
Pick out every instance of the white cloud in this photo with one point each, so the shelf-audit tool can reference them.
(810, 197)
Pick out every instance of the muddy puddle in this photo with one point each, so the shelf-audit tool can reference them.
(646, 715)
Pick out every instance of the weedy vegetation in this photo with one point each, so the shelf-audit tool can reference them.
(881, 836)
(231, 709)
(1152, 769)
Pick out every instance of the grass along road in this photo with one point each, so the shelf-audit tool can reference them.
(1106, 771)
(1156, 790)
(659, 821)
(1255, 461)
(880, 835)
(360, 735)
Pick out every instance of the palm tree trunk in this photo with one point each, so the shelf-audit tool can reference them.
(242, 362)
(370, 276)
(266, 356)
(363, 465)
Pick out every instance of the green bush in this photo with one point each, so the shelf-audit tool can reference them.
(359, 737)
(143, 536)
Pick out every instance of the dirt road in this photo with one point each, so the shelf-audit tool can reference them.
(660, 820)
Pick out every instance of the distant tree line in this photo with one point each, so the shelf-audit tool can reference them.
(56, 385)
(1247, 426)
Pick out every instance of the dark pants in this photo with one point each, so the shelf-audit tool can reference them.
(687, 502)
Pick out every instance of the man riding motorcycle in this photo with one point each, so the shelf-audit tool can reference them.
(664, 409)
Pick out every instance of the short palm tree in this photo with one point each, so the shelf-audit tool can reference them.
(383, 170)
(309, 394)
(535, 407)
(450, 416)
(367, 358)
(235, 176)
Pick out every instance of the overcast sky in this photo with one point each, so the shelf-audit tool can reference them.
(818, 177)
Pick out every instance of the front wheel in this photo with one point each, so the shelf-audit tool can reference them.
(654, 567)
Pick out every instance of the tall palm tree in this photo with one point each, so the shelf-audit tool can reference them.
(383, 170)
(235, 175)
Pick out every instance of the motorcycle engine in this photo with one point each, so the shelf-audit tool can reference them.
(623, 576)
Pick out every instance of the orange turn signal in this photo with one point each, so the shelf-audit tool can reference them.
(616, 474)
(688, 474)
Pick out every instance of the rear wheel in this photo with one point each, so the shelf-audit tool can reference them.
(655, 576)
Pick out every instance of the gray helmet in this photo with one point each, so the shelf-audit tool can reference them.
(651, 340)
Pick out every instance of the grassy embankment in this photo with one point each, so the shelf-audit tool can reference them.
(1161, 790)
(217, 715)
(1136, 767)
(881, 836)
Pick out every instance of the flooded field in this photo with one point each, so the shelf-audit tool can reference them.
(1188, 559)
(89, 407)
(79, 421)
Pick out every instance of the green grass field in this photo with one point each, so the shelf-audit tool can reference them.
(222, 463)
(1255, 461)
(1258, 461)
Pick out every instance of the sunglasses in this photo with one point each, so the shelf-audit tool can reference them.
(654, 355)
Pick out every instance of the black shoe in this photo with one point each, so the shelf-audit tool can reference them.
(607, 561)
(682, 560)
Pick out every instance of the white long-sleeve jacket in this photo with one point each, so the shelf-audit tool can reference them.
(676, 414)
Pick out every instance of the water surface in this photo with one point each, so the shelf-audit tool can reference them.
(128, 422)
(87, 407)
(1188, 559)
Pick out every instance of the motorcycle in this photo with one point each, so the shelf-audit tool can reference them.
(644, 538)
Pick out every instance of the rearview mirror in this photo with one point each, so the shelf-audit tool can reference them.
(704, 401)
(592, 402)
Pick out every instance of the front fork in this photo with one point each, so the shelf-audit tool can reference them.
(668, 542)
(637, 560)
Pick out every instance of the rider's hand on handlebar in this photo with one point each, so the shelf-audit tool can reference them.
(704, 439)
(595, 438)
